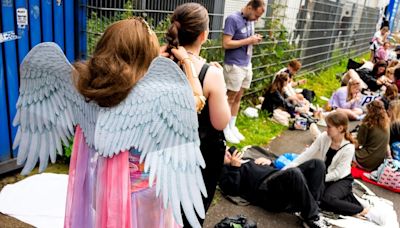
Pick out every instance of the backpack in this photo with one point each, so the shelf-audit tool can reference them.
(309, 95)
(238, 221)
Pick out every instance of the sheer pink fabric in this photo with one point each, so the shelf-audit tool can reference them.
(100, 193)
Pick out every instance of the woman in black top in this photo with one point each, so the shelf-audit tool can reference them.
(189, 28)
(275, 97)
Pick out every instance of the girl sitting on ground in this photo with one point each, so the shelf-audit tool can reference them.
(373, 137)
(347, 99)
(391, 94)
(275, 96)
(336, 148)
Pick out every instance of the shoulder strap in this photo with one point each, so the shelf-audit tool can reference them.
(343, 146)
(203, 72)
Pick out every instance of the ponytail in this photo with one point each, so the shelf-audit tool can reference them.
(187, 22)
(349, 137)
(172, 35)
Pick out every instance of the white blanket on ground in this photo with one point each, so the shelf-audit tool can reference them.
(368, 199)
(38, 200)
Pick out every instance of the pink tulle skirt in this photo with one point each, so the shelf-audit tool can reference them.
(100, 193)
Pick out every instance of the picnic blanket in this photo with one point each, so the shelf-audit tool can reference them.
(359, 173)
(29, 201)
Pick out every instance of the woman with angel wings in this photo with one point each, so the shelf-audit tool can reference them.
(133, 117)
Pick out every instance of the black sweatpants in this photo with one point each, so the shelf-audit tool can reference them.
(338, 197)
(295, 189)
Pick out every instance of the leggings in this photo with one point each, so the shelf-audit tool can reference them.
(338, 197)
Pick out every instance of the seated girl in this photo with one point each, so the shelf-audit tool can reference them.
(275, 97)
(336, 148)
(391, 94)
(373, 137)
(347, 99)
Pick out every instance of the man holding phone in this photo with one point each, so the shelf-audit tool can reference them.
(238, 40)
(290, 190)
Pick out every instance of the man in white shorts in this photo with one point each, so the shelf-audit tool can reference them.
(238, 41)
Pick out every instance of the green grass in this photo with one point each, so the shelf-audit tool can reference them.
(325, 82)
(258, 131)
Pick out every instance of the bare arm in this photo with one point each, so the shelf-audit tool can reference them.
(215, 90)
(229, 43)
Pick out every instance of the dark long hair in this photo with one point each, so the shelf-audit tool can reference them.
(187, 22)
(380, 63)
(279, 83)
(338, 119)
(121, 58)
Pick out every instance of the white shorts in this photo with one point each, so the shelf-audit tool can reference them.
(237, 77)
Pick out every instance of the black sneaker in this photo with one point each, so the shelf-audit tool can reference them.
(320, 222)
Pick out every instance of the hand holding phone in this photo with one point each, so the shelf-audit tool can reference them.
(232, 149)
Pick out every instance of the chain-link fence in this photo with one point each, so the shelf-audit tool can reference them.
(319, 33)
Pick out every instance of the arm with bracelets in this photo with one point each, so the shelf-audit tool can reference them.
(190, 71)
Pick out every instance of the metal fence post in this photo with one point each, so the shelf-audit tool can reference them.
(82, 28)
(69, 30)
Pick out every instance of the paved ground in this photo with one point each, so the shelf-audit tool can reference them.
(289, 141)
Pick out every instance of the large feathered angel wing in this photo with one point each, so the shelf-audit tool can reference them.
(158, 118)
(48, 107)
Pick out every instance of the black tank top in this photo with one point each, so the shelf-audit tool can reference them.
(206, 130)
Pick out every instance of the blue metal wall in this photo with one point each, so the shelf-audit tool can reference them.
(24, 24)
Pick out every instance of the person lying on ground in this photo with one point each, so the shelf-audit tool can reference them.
(373, 137)
(336, 148)
(347, 99)
(371, 78)
(292, 190)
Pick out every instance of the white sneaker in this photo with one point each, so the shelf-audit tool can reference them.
(237, 134)
(229, 136)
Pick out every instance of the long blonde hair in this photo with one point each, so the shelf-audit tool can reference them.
(352, 81)
(121, 58)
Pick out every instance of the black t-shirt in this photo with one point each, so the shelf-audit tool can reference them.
(329, 157)
(244, 181)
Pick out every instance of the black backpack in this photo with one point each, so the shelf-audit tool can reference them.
(309, 95)
(236, 221)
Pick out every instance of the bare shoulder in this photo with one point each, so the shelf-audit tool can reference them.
(214, 79)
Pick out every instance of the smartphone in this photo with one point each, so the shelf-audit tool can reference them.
(232, 149)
